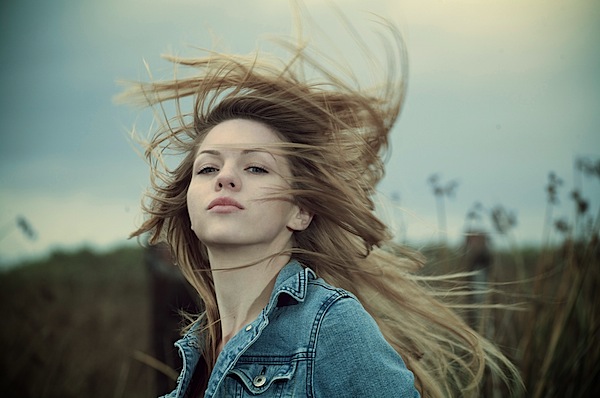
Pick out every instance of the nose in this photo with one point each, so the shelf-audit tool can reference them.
(228, 179)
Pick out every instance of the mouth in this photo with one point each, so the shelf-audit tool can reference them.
(225, 203)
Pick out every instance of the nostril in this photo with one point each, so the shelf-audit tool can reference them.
(222, 184)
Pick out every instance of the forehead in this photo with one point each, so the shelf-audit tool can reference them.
(240, 133)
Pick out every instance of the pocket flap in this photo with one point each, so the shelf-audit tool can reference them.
(258, 377)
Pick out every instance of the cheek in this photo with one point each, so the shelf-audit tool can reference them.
(285, 212)
(192, 201)
(189, 197)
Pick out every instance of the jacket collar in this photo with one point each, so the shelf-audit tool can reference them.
(290, 286)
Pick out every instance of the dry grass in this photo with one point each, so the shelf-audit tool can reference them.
(554, 341)
(553, 331)
(76, 325)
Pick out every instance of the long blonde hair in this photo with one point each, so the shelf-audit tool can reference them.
(335, 134)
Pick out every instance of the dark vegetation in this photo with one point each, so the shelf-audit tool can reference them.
(72, 324)
(77, 325)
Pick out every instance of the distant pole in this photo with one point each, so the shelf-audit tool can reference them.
(441, 211)
(479, 258)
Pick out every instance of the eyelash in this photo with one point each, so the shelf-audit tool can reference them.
(251, 169)
(257, 170)
(206, 170)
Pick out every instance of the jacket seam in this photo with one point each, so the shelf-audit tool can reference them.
(336, 295)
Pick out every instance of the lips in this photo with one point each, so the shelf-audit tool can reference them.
(224, 202)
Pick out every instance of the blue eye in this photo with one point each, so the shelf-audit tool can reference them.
(207, 170)
(257, 170)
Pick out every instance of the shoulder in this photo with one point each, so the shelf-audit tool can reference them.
(352, 357)
(338, 309)
(342, 318)
(323, 312)
(320, 291)
(299, 317)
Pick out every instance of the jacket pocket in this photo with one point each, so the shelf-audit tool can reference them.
(260, 378)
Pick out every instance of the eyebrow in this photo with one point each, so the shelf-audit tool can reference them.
(244, 152)
(214, 152)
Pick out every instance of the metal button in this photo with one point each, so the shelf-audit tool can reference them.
(259, 381)
(248, 328)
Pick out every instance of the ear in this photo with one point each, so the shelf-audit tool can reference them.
(300, 220)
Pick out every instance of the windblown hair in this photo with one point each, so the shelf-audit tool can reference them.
(335, 135)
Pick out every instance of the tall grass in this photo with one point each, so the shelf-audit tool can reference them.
(553, 339)
(72, 325)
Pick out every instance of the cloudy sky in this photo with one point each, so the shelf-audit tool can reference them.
(501, 92)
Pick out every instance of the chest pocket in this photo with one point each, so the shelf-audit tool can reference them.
(267, 380)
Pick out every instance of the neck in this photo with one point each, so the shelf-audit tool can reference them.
(242, 290)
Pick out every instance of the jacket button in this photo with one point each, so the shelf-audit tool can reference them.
(248, 328)
(259, 381)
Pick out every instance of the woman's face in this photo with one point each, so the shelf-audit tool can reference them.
(233, 195)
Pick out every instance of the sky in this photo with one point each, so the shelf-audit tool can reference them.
(500, 93)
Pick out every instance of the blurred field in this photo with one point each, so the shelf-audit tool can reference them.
(72, 324)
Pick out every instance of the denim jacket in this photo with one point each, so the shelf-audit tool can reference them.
(311, 340)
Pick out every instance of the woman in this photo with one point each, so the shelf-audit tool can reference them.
(270, 217)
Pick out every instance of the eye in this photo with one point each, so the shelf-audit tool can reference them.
(257, 170)
(206, 170)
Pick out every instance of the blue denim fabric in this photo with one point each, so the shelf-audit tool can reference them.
(311, 340)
